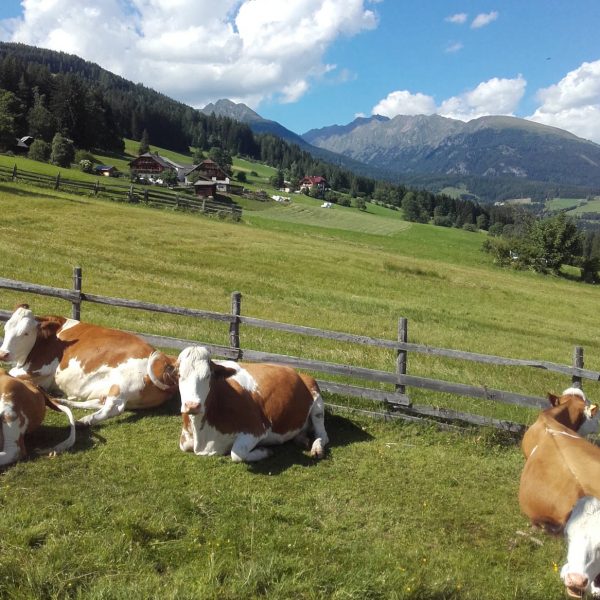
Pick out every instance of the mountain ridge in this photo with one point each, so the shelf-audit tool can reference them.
(489, 146)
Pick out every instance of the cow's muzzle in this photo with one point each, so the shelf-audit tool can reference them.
(4, 356)
(191, 408)
(576, 585)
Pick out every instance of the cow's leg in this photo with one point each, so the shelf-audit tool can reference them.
(13, 433)
(112, 407)
(317, 418)
(186, 439)
(97, 403)
(244, 449)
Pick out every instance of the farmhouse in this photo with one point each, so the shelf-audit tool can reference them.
(106, 170)
(152, 165)
(22, 144)
(207, 169)
(313, 182)
(205, 189)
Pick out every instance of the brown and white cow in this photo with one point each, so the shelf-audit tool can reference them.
(566, 409)
(581, 572)
(239, 408)
(561, 466)
(105, 369)
(22, 410)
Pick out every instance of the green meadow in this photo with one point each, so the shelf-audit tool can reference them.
(395, 510)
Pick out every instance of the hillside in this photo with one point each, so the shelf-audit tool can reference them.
(151, 521)
(259, 125)
(488, 147)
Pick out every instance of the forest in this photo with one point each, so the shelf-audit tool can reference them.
(43, 92)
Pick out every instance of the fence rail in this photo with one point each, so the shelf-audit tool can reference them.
(395, 402)
(132, 194)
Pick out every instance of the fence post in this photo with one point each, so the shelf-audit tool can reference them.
(234, 326)
(76, 304)
(402, 354)
(578, 364)
(57, 182)
(14, 173)
(96, 186)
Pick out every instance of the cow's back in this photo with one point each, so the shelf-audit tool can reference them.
(561, 468)
(94, 346)
(285, 395)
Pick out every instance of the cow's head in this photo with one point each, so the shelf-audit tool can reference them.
(20, 333)
(196, 371)
(576, 412)
(581, 573)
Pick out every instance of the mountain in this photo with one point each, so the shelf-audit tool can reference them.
(244, 114)
(489, 147)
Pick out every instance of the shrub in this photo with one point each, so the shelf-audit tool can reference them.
(241, 176)
(469, 227)
(443, 221)
(63, 152)
(84, 155)
(39, 150)
(86, 166)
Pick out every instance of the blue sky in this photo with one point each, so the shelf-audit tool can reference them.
(312, 63)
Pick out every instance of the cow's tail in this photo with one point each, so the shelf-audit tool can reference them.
(68, 443)
(169, 375)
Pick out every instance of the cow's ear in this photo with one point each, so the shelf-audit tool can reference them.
(49, 328)
(593, 410)
(25, 306)
(221, 371)
(553, 399)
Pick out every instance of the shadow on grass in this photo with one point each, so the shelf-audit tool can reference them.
(341, 431)
(170, 408)
(48, 436)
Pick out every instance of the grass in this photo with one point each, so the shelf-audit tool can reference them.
(394, 511)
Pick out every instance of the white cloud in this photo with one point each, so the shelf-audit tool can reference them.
(402, 102)
(457, 19)
(483, 19)
(493, 97)
(199, 50)
(573, 103)
(454, 47)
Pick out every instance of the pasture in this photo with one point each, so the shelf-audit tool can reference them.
(394, 511)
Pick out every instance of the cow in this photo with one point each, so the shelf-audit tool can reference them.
(561, 466)
(22, 410)
(581, 572)
(105, 369)
(566, 409)
(239, 408)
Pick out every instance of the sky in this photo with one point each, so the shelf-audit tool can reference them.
(313, 63)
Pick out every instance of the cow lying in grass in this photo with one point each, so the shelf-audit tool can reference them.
(561, 469)
(22, 410)
(581, 572)
(105, 369)
(571, 409)
(240, 408)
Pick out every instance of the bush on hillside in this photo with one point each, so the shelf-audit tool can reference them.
(39, 150)
(63, 152)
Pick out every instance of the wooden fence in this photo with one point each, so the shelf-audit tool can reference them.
(132, 194)
(395, 402)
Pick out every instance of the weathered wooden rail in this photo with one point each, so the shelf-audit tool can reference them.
(132, 194)
(395, 401)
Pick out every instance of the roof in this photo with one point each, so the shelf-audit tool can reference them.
(161, 160)
(315, 179)
(204, 183)
(105, 168)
